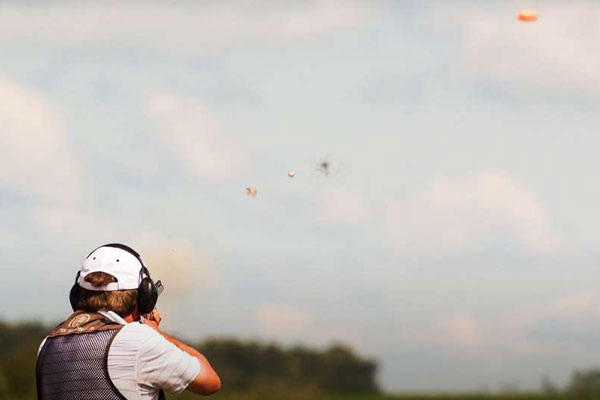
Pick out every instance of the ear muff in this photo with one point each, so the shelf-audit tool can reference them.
(147, 295)
(74, 293)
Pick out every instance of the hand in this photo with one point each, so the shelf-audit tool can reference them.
(152, 319)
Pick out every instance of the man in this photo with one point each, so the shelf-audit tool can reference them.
(112, 348)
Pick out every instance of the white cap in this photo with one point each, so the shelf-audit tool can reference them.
(121, 264)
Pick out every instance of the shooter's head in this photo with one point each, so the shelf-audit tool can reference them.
(113, 277)
(122, 302)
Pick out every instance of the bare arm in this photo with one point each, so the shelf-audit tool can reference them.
(207, 381)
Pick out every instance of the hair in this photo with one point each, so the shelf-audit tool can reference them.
(120, 301)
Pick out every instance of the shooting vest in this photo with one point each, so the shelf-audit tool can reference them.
(72, 364)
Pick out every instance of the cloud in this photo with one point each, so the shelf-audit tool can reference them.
(568, 322)
(460, 331)
(323, 17)
(35, 157)
(342, 205)
(182, 266)
(576, 304)
(191, 26)
(283, 321)
(457, 214)
(297, 324)
(187, 129)
(73, 221)
(37, 163)
(564, 325)
(557, 54)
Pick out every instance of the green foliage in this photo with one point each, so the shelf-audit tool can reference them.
(4, 392)
(257, 371)
(249, 370)
(585, 384)
(18, 348)
(286, 394)
(248, 366)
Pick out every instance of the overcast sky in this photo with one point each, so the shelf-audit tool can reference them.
(455, 238)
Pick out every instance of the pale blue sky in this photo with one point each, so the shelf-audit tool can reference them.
(455, 239)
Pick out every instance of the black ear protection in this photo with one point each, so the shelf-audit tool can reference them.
(147, 291)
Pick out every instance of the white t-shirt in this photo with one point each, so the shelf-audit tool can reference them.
(141, 362)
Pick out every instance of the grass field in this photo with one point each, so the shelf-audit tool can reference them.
(449, 396)
(283, 394)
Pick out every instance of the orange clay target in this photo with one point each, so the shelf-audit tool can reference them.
(527, 15)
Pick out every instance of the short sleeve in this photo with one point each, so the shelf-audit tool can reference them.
(162, 365)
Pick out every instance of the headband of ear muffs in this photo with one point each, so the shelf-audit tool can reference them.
(147, 292)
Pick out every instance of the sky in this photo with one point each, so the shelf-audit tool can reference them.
(454, 239)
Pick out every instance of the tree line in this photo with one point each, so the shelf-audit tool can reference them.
(243, 366)
(258, 370)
